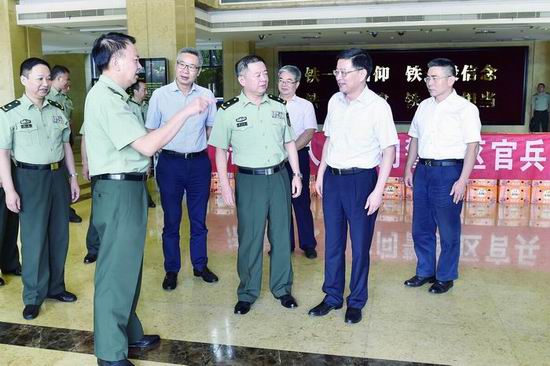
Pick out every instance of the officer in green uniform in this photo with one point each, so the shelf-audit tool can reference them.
(61, 79)
(118, 147)
(9, 226)
(257, 127)
(35, 130)
(92, 236)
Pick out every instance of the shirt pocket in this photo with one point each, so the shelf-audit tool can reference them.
(26, 135)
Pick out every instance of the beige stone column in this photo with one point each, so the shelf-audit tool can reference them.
(16, 44)
(233, 51)
(162, 27)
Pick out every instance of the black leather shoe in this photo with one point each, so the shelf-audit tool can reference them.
(311, 253)
(323, 309)
(13, 272)
(114, 363)
(353, 315)
(170, 281)
(31, 311)
(288, 301)
(73, 216)
(242, 307)
(90, 258)
(417, 281)
(2, 283)
(151, 204)
(440, 287)
(147, 341)
(64, 296)
(206, 274)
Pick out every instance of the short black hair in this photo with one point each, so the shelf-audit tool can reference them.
(443, 62)
(243, 63)
(360, 59)
(135, 86)
(28, 64)
(539, 84)
(58, 70)
(107, 45)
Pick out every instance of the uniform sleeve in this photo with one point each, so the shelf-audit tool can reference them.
(65, 137)
(121, 125)
(154, 116)
(288, 134)
(210, 118)
(221, 133)
(472, 124)
(6, 132)
(386, 134)
(310, 120)
(136, 110)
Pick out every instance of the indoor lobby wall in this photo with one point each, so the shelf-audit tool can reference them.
(75, 62)
(538, 69)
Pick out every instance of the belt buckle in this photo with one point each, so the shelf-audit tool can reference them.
(54, 166)
(428, 162)
(269, 171)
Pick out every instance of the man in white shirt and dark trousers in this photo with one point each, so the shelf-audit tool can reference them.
(360, 136)
(304, 124)
(445, 135)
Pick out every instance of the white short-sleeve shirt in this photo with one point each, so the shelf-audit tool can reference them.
(302, 115)
(444, 129)
(358, 131)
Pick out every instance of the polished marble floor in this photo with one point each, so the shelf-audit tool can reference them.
(498, 313)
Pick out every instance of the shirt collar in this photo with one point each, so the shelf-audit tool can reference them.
(449, 98)
(364, 97)
(28, 104)
(111, 84)
(174, 87)
(246, 101)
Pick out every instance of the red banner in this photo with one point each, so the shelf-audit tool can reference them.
(501, 156)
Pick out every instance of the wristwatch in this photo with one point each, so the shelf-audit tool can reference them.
(299, 175)
(73, 175)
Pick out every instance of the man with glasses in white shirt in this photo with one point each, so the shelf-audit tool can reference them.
(360, 136)
(184, 167)
(304, 124)
(445, 135)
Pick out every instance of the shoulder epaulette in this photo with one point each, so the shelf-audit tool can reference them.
(11, 105)
(276, 98)
(55, 104)
(229, 103)
(114, 91)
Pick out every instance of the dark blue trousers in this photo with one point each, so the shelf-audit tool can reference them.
(301, 205)
(177, 176)
(344, 198)
(433, 208)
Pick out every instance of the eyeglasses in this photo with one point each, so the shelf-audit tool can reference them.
(436, 78)
(182, 65)
(344, 73)
(287, 82)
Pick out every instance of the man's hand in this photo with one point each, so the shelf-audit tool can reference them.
(12, 201)
(296, 186)
(85, 172)
(408, 177)
(374, 201)
(227, 194)
(458, 190)
(198, 105)
(319, 185)
(75, 189)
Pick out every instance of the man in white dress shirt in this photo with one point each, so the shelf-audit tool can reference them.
(304, 124)
(360, 136)
(445, 135)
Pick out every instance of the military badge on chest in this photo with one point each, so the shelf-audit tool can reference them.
(25, 123)
(57, 119)
(241, 122)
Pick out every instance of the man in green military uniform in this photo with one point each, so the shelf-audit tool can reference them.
(61, 79)
(257, 127)
(118, 149)
(35, 130)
